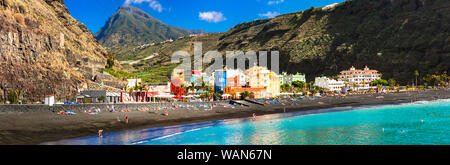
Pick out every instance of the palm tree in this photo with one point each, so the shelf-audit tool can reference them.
(130, 90)
(391, 82)
(416, 73)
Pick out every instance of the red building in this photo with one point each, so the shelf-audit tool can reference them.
(177, 91)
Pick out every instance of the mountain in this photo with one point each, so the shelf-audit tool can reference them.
(44, 50)
(198, 31)
(395, 37)
(132, 26)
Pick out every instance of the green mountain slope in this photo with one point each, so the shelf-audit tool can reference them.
(132, 26)
(395, 37)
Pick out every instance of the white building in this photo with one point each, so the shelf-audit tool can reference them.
(359, 79)
(133, 82)
(330, 84)
(236, 77)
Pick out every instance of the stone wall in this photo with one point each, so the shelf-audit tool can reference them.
(29, 108)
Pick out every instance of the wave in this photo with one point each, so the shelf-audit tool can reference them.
(166, 136)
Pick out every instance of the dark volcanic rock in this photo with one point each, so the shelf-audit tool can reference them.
(40, 47)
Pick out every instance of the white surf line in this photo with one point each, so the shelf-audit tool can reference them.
(350, 108)
(167, 136)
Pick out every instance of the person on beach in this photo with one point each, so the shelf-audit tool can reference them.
(100, 133)
(117, 119)
(126, 119)
(254, 117)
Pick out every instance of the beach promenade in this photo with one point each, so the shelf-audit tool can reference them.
(28, 126)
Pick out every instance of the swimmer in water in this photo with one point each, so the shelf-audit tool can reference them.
(422, 121)
(382, 129)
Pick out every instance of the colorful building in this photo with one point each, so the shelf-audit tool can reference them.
(258, 77)
(220, 78)
(359, 79)
(261, 77)
(274, 88)
(178, 77)
(289, 78)
(235, 78)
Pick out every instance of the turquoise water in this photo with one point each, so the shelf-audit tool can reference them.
(422, 123)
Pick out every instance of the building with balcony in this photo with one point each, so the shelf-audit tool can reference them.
(329, 84)
(359, 79)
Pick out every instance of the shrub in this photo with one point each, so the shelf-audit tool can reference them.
(379, 82)
(245, 94)
(19, 18)
(101, 99)
(109, 63)
(13, 96)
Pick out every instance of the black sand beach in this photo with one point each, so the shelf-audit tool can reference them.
(25, 128)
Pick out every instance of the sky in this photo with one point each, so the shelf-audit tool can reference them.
(208, 15)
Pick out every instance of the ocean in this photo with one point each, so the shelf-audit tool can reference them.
(419, 123)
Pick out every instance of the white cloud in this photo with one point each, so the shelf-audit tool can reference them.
(212, 16)
(155, 5)
(269, 14)
(275, 2)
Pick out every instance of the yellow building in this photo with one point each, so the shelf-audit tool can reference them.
(261, 77)
(258, 77)
(274, 85)
(178, 77)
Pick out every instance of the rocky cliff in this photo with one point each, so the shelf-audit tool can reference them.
(44, 50)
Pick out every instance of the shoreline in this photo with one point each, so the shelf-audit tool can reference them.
(232, 120)
(39, 127)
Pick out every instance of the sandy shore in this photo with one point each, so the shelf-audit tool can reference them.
(39, 127)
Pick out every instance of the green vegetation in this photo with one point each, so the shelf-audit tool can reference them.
(416, 74)
(136, 27)
(379, 82)
(392, 82)
(148, 74)
(285, 87)
(110, 61)
(245, 95)
(390, 37)
(101, 99)
(299, 84)
(436, 79)
(13, 96)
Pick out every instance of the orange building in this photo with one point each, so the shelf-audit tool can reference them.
(235, 92)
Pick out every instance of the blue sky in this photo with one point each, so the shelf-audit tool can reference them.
(209, 15)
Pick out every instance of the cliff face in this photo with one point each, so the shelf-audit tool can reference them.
(44, 50)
